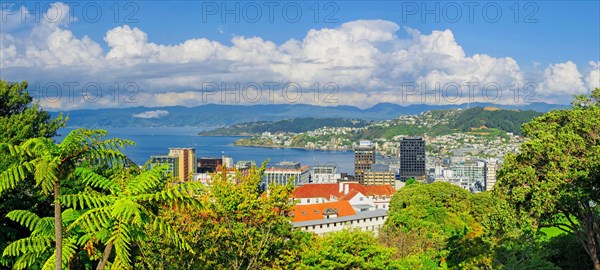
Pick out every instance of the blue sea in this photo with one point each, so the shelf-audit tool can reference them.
(156, 141)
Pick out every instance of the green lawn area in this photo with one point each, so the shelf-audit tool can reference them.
(552, 232)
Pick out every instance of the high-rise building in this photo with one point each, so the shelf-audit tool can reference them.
(187, 162)
(379, 174)
(364, 157)
(172, 162)
(182, 162)
(283, 172)
(412, 159)
(490, 174)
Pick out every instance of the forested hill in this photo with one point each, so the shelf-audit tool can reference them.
(490, 117)
(295, 125)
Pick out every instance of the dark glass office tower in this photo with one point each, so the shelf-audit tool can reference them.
(412, 159)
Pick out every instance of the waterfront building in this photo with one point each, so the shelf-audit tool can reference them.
(181, 161)
(283, 172)
(364, 157)
(325, 174)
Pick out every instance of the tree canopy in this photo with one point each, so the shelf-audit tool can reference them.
(554, 179)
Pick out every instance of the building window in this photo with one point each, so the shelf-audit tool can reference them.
(321, 226)
(361, 198)
(307, 200)
(383, 197)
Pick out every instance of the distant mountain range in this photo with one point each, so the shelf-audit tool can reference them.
(214, 115)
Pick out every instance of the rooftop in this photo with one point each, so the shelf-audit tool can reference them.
(308, 212)
(359, 215)
(338, 190)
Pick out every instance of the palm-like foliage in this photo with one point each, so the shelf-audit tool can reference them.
(35, 251)
(51, 163)
(119, 209)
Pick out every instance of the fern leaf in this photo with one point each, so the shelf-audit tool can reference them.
(85, 200)
(24, 217)
(93, 179)
(15, 174)
(27, 245)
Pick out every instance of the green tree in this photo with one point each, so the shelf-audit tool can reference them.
(50, 164)
(554, 179)
(21, 119)
(120, 210)
(35, 251)
(424, 217)
(348, 249)
(238, 227)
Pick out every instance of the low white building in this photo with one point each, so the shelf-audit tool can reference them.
(283, 172)
(365, 221)
(321, 174)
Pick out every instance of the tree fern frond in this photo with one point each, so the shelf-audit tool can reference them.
(147, 180)
(93, 220)
(46, 173)
(24, 217)
(69, 215)
(68, 252)
(93, 179)
(86, 200)
(127, 211)
(121, 240)
(27, 260)
(44, 227)
(27, 245)
(14, 174)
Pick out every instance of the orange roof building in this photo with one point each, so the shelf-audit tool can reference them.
(322, 210)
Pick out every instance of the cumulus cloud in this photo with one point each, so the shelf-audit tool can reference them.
(562, 79)
(152, 114)
(365, 60)
(592, 80)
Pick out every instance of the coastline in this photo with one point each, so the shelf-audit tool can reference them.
(291, 147)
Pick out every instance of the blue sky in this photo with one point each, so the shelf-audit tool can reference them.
(555, 44)
(544, 32)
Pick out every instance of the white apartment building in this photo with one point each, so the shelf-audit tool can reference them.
(325, 174)
(283, 172)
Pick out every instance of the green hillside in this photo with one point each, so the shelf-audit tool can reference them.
(506, 120)
(295, 125)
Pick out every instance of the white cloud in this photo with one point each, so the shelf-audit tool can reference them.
(151, 114)
(592, 80)
(365, 59)
(562, 79)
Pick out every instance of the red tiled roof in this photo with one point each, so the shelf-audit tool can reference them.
(315, 211)
(373, 190)
(328, 190)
